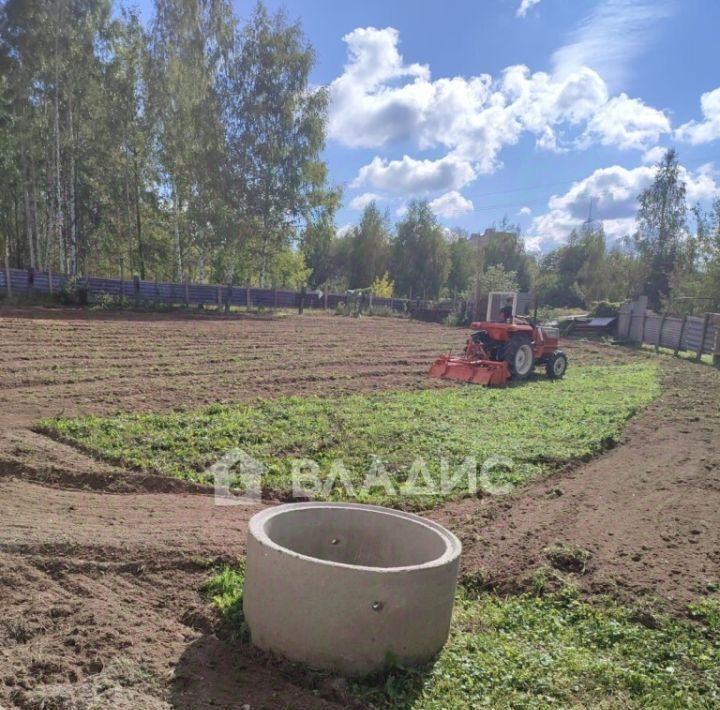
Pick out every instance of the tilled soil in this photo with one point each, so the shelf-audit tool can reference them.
(100, 569)
(648, 511)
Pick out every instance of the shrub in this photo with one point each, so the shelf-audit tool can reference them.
(605, 309)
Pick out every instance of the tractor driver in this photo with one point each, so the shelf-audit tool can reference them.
(506, 312)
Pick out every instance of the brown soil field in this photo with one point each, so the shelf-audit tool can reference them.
(100, 568)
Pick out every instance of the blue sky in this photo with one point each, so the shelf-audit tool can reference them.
(524, 108)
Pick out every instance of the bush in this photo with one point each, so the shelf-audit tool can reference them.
(73, 292)
(605, 309)
(108, 302)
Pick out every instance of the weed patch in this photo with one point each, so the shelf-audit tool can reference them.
(531, 651)
(557, 651)
(539, 426)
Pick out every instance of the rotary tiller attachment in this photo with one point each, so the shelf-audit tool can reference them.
(478, 372)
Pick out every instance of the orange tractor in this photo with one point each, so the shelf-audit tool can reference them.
(498, 352)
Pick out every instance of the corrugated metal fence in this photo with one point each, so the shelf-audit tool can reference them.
(28, 282)
(696, 334)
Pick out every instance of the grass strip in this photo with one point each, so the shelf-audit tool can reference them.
(539, 425)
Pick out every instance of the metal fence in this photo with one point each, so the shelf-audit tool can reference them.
(695, 334)
(29, 283)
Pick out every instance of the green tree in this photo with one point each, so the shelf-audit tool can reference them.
(662, 225)
(134, 167)
(7, 168)
(370, 250)
(275, 129)
(190, 43)
(496, 278)
(318, 234)
(464, 266)
(421, 255)
(505, 247)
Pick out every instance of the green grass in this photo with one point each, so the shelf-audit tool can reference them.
(551, 651)
(539, 425)
(224, 589)
(558, 651)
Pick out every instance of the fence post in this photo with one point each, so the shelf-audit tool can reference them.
(50, 283)
(629, 328)
(715, 320)
(698, 354)
(325, 300)
(228, 297)
(680, 339)
(136, 290)
(658, 340)
(642, 335)
(187, 294)
(219, 296)
(248, 298)
(301, 303)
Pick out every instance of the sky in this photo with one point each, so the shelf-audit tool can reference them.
(534, 110)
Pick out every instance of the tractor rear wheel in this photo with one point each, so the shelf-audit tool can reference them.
(556, 365)
(519, 356)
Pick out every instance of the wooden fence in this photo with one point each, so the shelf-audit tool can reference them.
(29, 282)
(696, 334)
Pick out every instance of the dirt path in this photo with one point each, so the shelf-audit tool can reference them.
(100, 569)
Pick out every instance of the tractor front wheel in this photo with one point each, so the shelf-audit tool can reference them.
(556, 365)
(519, 357)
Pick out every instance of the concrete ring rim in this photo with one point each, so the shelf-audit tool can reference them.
(453, 546)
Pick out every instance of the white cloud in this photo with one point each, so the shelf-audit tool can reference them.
(525, 5)
(344, 230)
(525, 211)
(701, 186)
(614, 192)
(385, 113)
(611, 37)
(627, 123)
(409, 176)
(381, 100)
(704, 131)
(654, 155)
(451, 204)
(360, 202)
(535, 245)
(548, 141)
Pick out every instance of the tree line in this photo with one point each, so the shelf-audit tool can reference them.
(672, 256)
(190, 149)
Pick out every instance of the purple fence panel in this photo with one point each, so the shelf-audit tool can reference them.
(202, 293)
(19, 280)
(97, 286)
(40, 283)
(180, 293)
